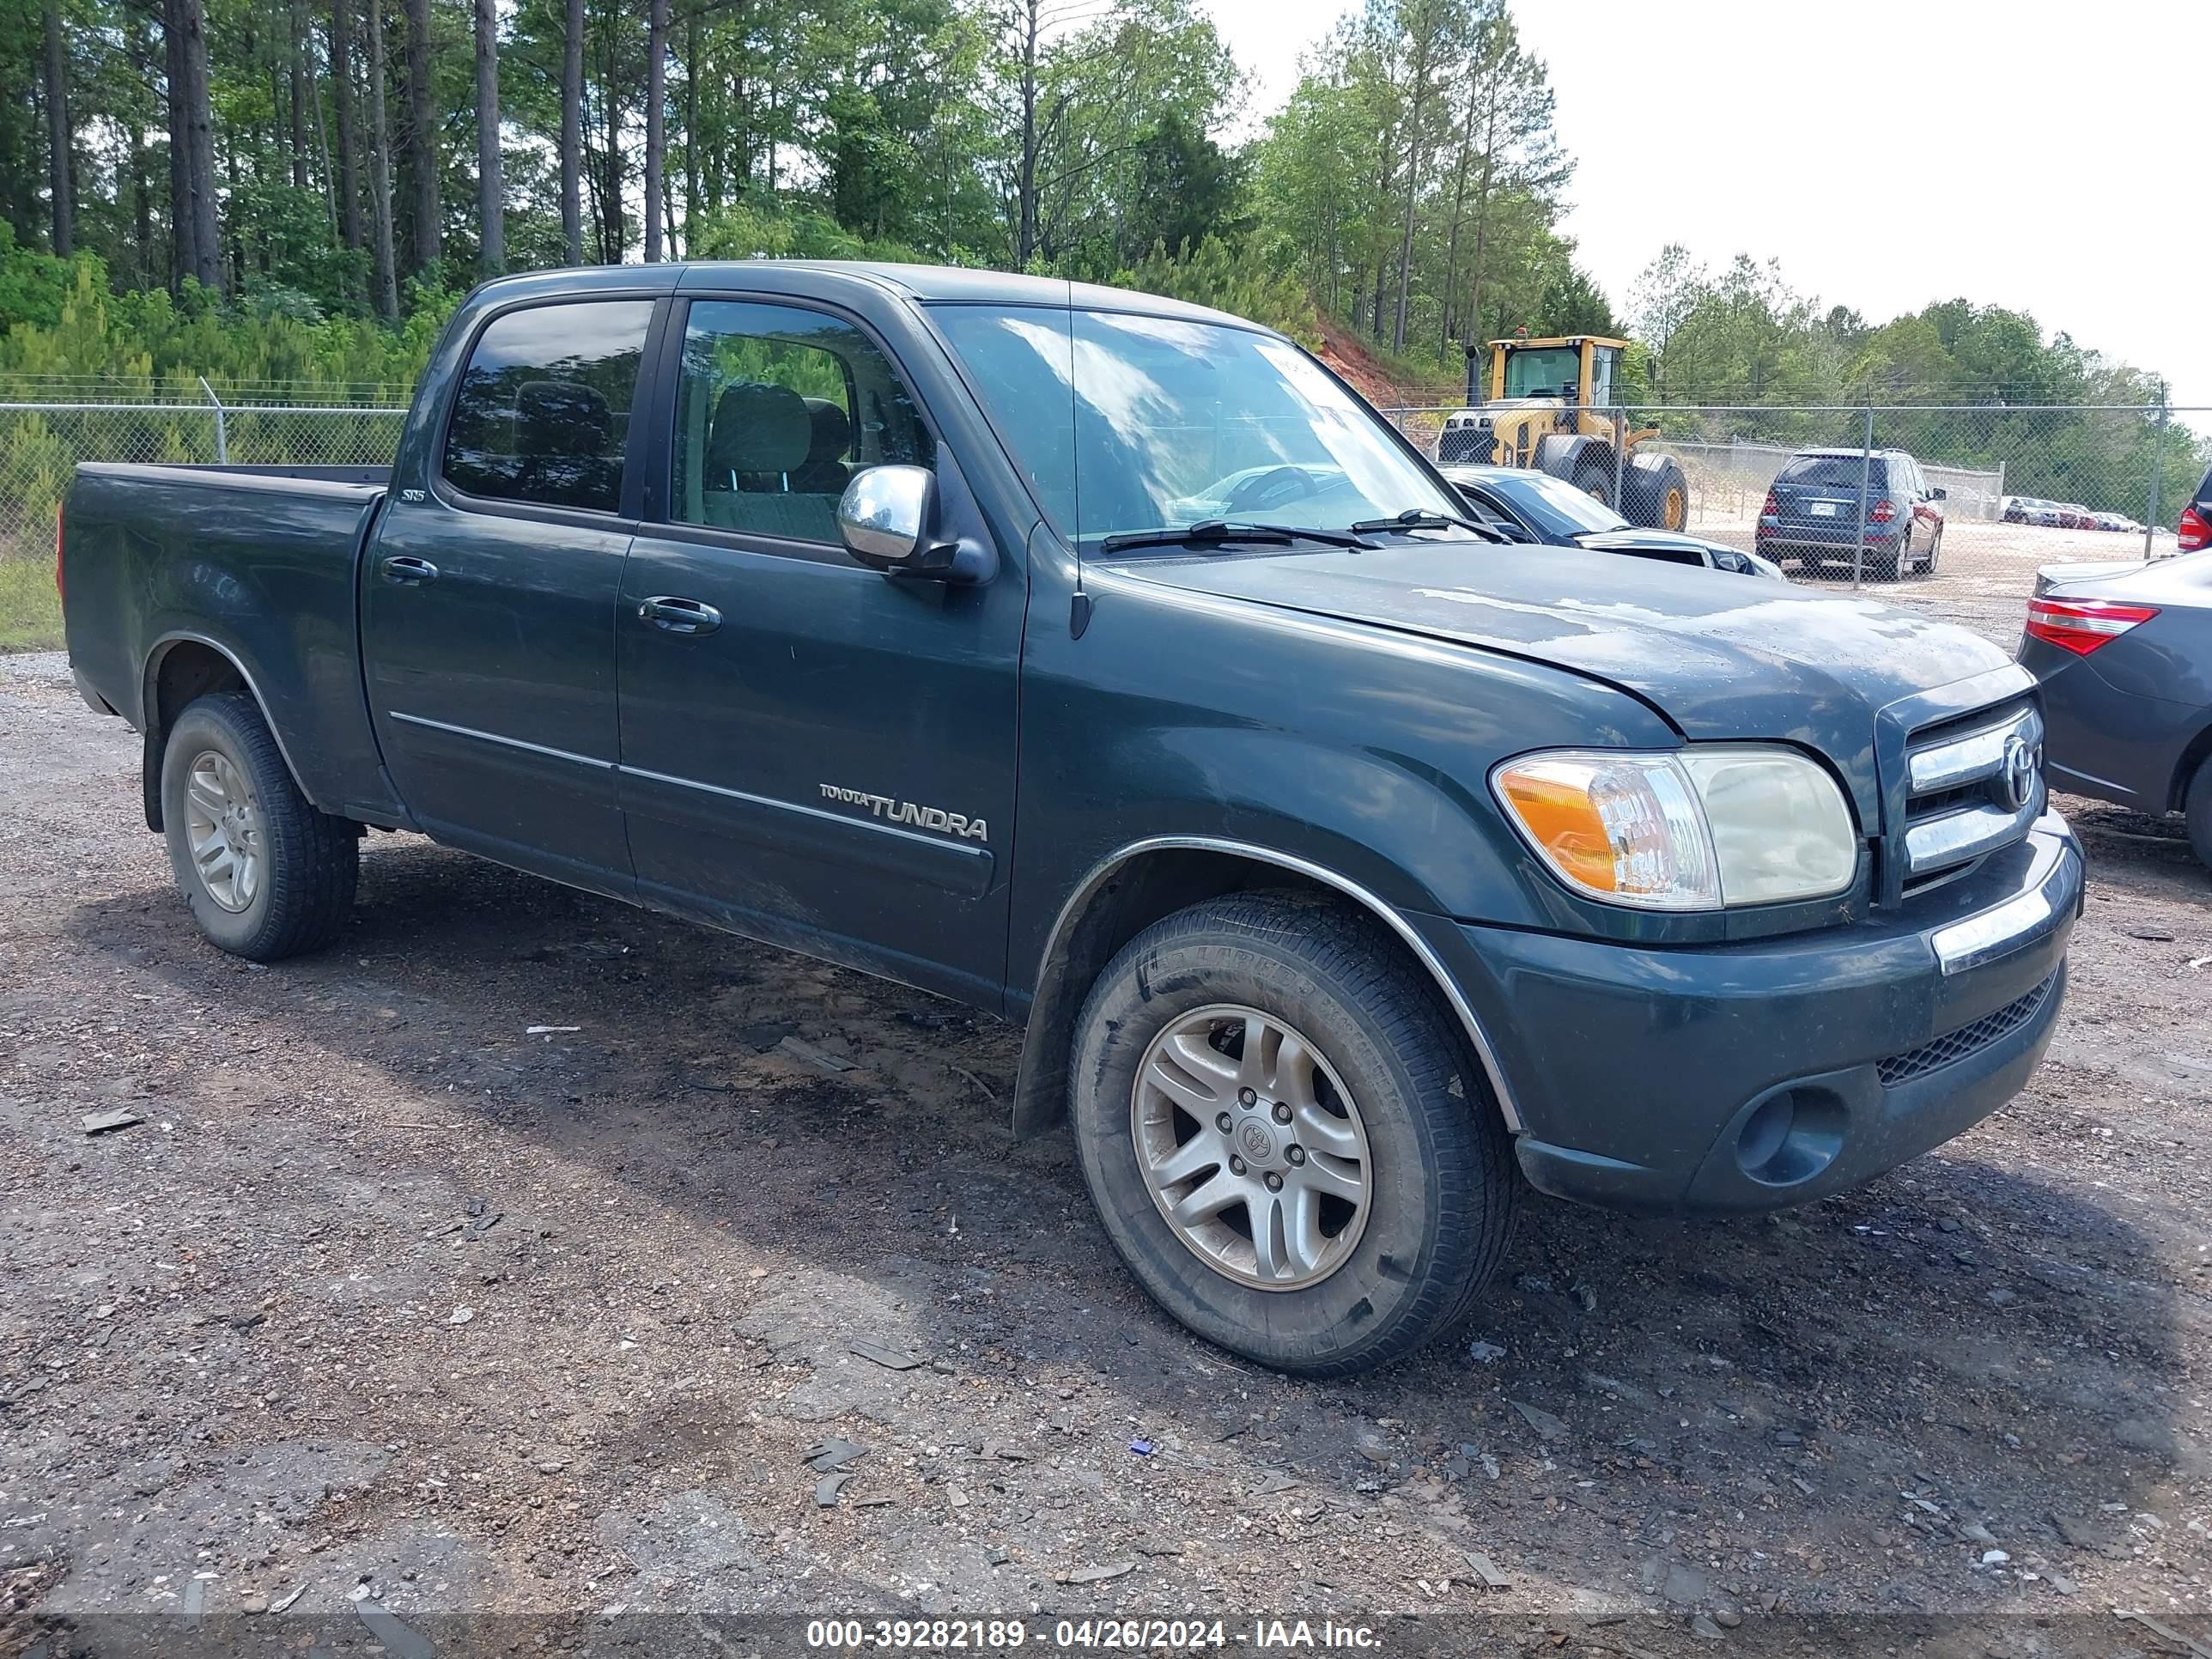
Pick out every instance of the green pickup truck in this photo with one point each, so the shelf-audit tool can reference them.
(1105, 663)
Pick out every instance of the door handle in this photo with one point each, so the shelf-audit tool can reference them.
(410, 572)
(679, 616)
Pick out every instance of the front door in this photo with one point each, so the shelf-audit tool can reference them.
(488, 599)
(813, 754)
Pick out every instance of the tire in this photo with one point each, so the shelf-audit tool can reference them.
(1658, 496)
(1935, 552)
(1594, 481)
(292, 892)
(2197, 804)
(1883, 566)
(1437, 1184)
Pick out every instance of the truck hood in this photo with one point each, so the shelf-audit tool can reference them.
(1720, 658)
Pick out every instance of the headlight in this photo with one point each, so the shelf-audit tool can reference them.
(1697, 829)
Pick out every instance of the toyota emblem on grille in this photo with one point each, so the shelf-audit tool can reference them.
(2015, 780)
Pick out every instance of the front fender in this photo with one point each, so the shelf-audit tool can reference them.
(1348, 756)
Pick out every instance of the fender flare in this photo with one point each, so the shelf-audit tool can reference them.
(1038, 1043)
(1560, 453)
(149, 707)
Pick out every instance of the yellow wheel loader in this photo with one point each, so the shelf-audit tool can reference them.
(1550, 406)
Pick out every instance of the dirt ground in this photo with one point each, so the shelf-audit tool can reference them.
(392, 1306)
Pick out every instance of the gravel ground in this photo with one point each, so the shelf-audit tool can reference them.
(387, 1297)
(1984, 573)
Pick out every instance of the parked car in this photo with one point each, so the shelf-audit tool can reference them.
(1811, 513)
(1529, 505)
(2124, 661)
(2019, 510)
(1334, 862)
(2193, 530)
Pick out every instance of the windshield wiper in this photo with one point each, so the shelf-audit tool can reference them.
(1420, 518)
(1210, 533)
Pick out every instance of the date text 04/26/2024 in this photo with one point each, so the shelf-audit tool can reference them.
(997, 1636)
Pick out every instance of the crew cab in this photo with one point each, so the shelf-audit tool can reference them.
(1346, 868)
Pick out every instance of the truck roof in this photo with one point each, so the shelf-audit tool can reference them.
(920, 282)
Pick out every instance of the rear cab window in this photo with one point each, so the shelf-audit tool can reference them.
(542, 415)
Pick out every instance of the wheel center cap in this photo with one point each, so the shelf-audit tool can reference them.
(1255, 1142)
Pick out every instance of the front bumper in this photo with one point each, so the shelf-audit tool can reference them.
(1755, 1076)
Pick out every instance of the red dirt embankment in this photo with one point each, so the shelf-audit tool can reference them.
(1382, 385)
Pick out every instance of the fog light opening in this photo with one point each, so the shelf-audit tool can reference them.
(1765, 1131)
(1790, 1137)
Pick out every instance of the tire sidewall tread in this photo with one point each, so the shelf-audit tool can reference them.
(310, 860)
(1444, 1193)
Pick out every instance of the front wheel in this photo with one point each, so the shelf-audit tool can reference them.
(1274, 1118)
(267, 876)
(1595, 480)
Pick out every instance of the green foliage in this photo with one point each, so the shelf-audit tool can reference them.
(1998, 393)
(143, 344)
(30, 609)
(1229, 277)
(34, 285)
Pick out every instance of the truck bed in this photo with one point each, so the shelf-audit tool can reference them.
(259, 562)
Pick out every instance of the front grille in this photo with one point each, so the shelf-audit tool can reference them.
(1956, 1046)
(1963, 800)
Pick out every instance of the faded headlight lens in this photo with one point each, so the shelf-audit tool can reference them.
(1780, 827)
(1695, 830)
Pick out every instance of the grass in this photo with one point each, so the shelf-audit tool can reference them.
(30, 609)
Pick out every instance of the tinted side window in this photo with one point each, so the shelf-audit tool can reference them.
(777, 409)
(542, 410)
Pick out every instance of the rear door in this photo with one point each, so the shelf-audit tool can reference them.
(813, 753)
(1927, 511)
(487, 602)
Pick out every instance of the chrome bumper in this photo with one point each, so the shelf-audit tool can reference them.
(2026, 917)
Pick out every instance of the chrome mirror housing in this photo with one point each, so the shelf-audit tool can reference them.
(884, 513)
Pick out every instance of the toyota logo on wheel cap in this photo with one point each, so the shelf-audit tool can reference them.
(2022, 766)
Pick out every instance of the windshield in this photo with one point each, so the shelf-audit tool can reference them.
(1545, 373)
(1555, 506)
(1176, 422)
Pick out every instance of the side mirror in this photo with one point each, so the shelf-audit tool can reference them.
(884, 513)
(1939, 494)
(888, 519)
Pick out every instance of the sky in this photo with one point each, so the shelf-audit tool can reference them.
(1889, 153)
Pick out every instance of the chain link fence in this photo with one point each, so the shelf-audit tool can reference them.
(1951, 508)
(42, 442)
(1842, 496)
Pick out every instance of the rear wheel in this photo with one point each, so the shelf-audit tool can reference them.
(2197, 803)
(1273, 1119)
(267, 876)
